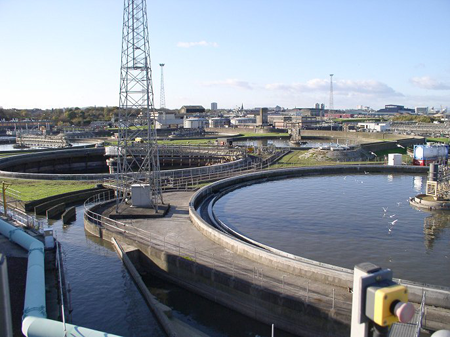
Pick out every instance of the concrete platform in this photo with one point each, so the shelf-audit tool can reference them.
(124, 211)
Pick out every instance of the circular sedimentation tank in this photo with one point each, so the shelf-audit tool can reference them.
(308, 227)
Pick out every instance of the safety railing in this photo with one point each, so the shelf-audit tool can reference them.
(189, 179)
(23, 218)
(225, 263)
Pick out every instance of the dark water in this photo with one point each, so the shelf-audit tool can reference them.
(105, 298)
(340, 220)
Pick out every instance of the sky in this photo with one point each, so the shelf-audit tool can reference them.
(66, 53)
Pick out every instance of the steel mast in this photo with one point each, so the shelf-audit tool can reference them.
(138, 159)
(162, 97)
(331, 105)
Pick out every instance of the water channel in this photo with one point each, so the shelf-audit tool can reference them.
(105, 298)
(345, 220)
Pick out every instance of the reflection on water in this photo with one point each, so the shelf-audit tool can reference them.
(433, 228)
(104, 297)
(418, 183)
(345, 220)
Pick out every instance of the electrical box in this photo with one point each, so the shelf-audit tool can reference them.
(381, 300)
(141, 195)
(394, 159)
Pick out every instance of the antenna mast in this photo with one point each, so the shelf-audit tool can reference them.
(331, 105)
(162, 103)
(138, 159)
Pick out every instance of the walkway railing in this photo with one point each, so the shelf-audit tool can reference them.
(188, 179)
(225, 262)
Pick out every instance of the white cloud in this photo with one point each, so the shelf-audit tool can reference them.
(197, 44)
(427, 82)
(340, 87)
(233, 83)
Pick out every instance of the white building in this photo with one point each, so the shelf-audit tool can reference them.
(422, 110)
(243, 120)
(195, 123)
(166, 120)
(374, 127)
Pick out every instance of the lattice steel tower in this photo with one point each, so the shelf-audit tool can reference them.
(162, 98)
(331, 105)
(138, 159)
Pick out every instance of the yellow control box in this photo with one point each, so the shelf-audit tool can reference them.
(383, 300)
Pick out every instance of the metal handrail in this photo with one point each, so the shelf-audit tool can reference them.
(219, 262)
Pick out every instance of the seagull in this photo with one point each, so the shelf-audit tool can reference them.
(385, 209)
(399, 203)
(365, 172)
(391, 216)
(345, 177)
(393, 222)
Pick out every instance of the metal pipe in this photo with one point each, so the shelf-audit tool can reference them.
(5, 305)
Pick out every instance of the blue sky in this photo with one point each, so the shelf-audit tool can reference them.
(65, 53)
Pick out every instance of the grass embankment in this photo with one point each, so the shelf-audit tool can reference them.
(439, 140)
(293, 159)
(28, 190)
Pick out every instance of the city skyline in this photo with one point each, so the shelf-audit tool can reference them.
(255, 53)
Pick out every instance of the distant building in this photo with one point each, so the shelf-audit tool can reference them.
(243, 121)
(195, 123)
(166, 120)
(219, 122)
(421, 110)
(374, 127)
(192, 109)
(262, 119)
(395, 109)
(213, 106)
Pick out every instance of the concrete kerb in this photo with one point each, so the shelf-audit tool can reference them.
(332, 275)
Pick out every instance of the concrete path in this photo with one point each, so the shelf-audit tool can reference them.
(178, 236)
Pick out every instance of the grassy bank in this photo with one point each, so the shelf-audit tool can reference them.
(293, 159)
(439, 140)
(28, 189)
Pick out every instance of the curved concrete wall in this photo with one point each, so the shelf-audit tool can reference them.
(332, 275)
(94, 153)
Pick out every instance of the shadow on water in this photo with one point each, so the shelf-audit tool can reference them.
(105, 298)
(211, 318)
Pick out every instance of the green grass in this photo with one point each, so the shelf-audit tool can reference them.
(292, 160)
(28, 189)
(439, 140)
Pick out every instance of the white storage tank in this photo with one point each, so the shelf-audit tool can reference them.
(394, 159)
(426, 154)
(194, 123)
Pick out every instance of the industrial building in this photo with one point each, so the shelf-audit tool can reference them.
(192, 109)
(395, 109)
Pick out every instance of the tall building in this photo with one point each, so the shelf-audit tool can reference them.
(213, 106)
